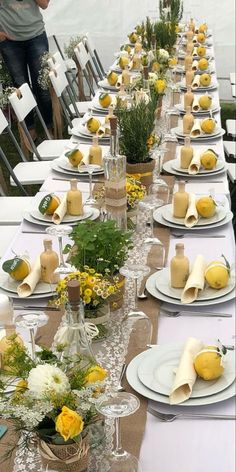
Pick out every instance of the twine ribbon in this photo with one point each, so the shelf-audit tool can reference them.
(62, 334)
(49, 455)
(138, 176)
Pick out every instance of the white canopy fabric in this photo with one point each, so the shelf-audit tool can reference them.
(109, 21)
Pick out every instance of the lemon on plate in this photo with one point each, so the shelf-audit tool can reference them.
(49, 204)
(112, 78)
(208, 363)
(75, 157)
(18, 268)
(206, 207)
(203, 63)
(208, 125)
(217, 274)
(201, 50)
(205, 80)
(205, 102)
(105, 100)
(93, 125)
(208, 159)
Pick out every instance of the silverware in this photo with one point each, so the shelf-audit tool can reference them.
(191, 181)
(32, 232)
(229, 347)
(80, 179)
(168, 417)
(197, 235)
(175, 314)
(36, 308)
(120, 387)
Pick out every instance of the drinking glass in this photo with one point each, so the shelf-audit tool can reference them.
(31, 321)
(91, 168)
(60, 231)
(158, 155)
(150, 202)
(135, 272)
(160, 191)
(119, 405)
(169, 136)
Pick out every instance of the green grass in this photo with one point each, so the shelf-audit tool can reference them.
(228, 111)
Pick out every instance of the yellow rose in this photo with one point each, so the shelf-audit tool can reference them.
(160, 85)
(95, 373)
(69, 424)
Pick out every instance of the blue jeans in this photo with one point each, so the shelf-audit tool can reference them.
(23, 61)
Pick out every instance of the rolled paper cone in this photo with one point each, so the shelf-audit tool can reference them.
(195, 164)
(195, 53)
(27, 286)
(196, 82)
(195, 281)
(195, 105)
(195, 41)
(84, 161)
(119, 81)
(196, 129)
(195, 65)
(60, 212)
(186, 375)
(131, 65)
(191, 217)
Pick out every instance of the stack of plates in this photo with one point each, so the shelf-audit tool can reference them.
(217, 133)
(105, 85)
(151, 374)
(34, 216)
(63, 166)
(95, 105)
(82, 131)
(202, 88)
(9, 287)
(173, 167)
(213, 109)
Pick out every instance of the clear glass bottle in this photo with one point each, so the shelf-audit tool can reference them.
(126, 76)
(186, 154)
(49, 261)
(188, 121)
(77, 342)
(95, 153)
(188, 98)
(179, 268)
(180, 201)
(74, 200)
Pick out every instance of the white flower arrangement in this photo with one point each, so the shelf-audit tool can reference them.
(44, 379)
(162, 56)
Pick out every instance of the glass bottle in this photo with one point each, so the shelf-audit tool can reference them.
(186, 154)
(188, 62)
(179, 268)
(74, 200)
(122, 97)
(180, 201)
(49, 261)
(189, 76)
(189, 47)
(126, 76)
(188, 98)
(95, 153)
(190, 35)
(191, 25)
(78, 343)
(188, 121)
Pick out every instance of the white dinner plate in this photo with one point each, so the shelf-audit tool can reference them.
(56, 166)
(157, 372)
(157, 215)
(219, 166)
(203, 136)
(82, 132)
(201, 88)
(84, 148)
(64, 164)
(96, 105)
(88, 211)
(152, 289)
(182, 111)
(208, 293)
(137, 385)
(167, 166)
(27, 216)
(9, 285)
(167, 214)
(105, 84)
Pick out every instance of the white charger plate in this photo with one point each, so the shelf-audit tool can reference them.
(203, 136)
(9, 285)
(167, 166)
(182, 111)
(56, 166)
(157, 372)
(152, 289)
(105, 84)
(208, 293)
(219, 166)
(28, 217)
(167, 214)
(66, 219)
(137, 385)
(64, 164)
(157, 215)
(201, 88)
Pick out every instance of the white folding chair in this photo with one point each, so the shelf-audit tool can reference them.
(23, 102)
(88, 42)
(231, 128)
(230, 148)
(7, 235)
(12, 210)
(83, 59)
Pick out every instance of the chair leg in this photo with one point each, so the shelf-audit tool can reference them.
(15, 142)
(12, 173)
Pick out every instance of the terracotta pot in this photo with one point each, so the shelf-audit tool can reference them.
(65, 457)
(142, 171)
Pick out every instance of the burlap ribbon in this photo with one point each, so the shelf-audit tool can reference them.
(47, 453)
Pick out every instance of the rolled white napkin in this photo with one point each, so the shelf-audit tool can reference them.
(195, 65)
(186, 375)
(196, 129)
(196, 82)
(191, 217)
(27, 286)
(195, 41)
(119, 81)
(195, 105)
(60, 212)
(195, 281)
(195, 53)
(195, 164)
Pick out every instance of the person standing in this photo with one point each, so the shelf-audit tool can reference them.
(23, 41)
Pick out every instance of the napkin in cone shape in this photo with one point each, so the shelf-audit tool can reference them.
(196, 81)
(195, 40)
(191, 217)
(196, 129)
(195, 164)
(195, 65)
(60, 212)
(27, 286)
(186, 375)
(195, 105)
(195, 53)
(119, 81)
(195, 281)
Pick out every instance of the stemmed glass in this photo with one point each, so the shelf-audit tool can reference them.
(91, 168)
(119, 405)
(150, 202)
(31, 321)
(158, 155)
(60, 231)
(168, 136)
(135, 272)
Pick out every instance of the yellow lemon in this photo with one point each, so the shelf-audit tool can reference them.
(203, 63)
(201, 50)
(5, 344)
(127, 48)
(112, 78)
(205, 102)
(75, 157)
(201, 38)
(202, 28)
(93, 125)
(208, 125)
(49, 204)
(105, 100)
(207, 363)
(18, 268)
(217, 275)
(205, 80)
(208, 160)
(123, 61)
(206, 207)
(133, 37)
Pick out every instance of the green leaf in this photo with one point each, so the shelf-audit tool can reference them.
(44, 204)
(11, 264)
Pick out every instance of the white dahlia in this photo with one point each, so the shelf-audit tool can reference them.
(163, 55)
(47, 378)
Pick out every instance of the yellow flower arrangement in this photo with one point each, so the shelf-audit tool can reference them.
(69, 424)
(160, 86)
(135, 191)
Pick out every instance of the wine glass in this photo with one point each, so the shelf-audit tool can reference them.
(60, 231)
(31, 321)
(160, 191)
(119, 405)
(150, 202)
(169, 136)
(158, 155)
(91, 168)
(135, 272)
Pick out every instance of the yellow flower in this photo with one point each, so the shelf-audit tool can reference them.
(69, 424)
(95, 373)
(21, 386)
(87, 300)
(155, 66)
(160, 85)
(172, 61)
(88, 292)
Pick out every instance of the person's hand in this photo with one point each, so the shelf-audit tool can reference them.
(3, 36)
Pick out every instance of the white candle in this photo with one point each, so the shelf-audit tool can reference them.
(6, 310)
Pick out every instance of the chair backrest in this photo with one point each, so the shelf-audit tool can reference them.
(3, 122)
(81, 55)
(58, 79)
(22, 101)
(89, 44)
(55, 60)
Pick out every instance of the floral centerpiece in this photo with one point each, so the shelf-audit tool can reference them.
(135, 191)
(54, 402)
